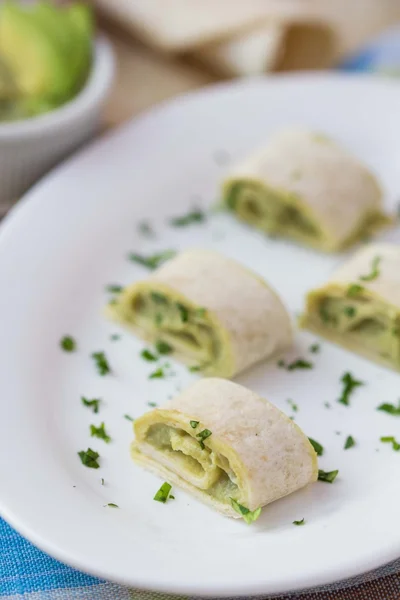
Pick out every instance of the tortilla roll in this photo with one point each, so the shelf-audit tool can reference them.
(254, 454)
(216, 315)
(359, 307)
(304, 187)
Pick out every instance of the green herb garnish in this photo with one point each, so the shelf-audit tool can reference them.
(163, 493)
(302, 522)
(315, 348)
(349, 311)
(114, 337)
(193, 424)
(112, 505)
(292, 405)
(183, 312)
(163, 347)
(248, 515)
(300, 363)
(317, 447)
(102, 481)
(145, 229)
(153, 261)
(195, 368)
(152, 404)
(100, 433)
(327, 405)
(89, 458)
(114, 288)
(94, 404)
(203, 435)
(194, 216)
(391, 409)
(354, 289)
(281, 363)
(349, 443)
(148, 355)
(374, 270)
(68, 344)
(158, 298)
(101, 363)
(391, 440)
(129, 418)
(157, 374)
(349, 385)
(327, 476)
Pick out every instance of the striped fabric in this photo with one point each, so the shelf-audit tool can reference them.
(28, 574)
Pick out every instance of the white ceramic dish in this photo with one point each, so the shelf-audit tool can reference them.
(69, 238)
(31, 147)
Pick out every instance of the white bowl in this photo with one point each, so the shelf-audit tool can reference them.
(31, 147)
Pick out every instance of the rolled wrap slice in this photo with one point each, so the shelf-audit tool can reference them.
(304, 187)
(359, 307)
(215, 314)
(252, 453)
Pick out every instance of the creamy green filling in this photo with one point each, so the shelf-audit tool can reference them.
(184, 328)
(270, 211)
(363, 321)
(199, 465)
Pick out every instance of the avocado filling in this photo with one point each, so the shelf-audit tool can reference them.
(363, 322)
(270, 211)
(185, 329)
(195, 463)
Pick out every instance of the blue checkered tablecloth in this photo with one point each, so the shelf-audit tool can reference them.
(26, 573)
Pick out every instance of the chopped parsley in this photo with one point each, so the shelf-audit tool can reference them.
(129, 418)
(354, 289)
(163, 347)
(89, 458)
(148, 355)
(281, 363)
(152, 404)
(183, 312)
(163, 493)
(114, 288)
(292, 405)
(317, 447)
(327, 476)
(101, 363)
(315, 348)
(193, 424)
(100, 432)
(391, 440)
(157, 374)
(301, 522)
(300, 363)
(327, 405)
(158, 298)
(153, 261)
(112, 505)
(93, 404)
(349, 311)
(374, 270)
(195, 368)
(391, 409)
(171, 497)
(194, 216)
(349, 385)
(114, 337)
(325, 316)
(146, 229)
(248, 515)
(203, 435)
(349, 443)
(68, 344)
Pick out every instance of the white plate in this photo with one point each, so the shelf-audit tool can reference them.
(69, 238)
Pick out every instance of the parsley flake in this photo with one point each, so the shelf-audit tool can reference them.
(317, 447)
(158, 298)
(193, 424)
(301, 522)
(89, 458)
(349, 443)
(194, 216)
(349, 311)
(163, 347)
(183, 312)
(374, 270)
(203, 435)
(391, 440)
(292, 405)
(114, 337)
(300, 363)
(129, 418)
(68, 344)
(354, 290)
(100, 433)
(248, 515)
(151, 262)
(101, 363)
(391, 409)
(148, 355)
(145, 229)
(157, 374)
(152, 404)
(327, 476)
(163, 493)
(111, 505)
(349, 385)
(93, 404)
(195, 368)
(114, 288)
(315, 348)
